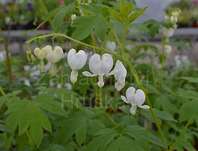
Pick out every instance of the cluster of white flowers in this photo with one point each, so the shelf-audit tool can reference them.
(52, 55)
(101, 66)
(169, 29)
(173, 16)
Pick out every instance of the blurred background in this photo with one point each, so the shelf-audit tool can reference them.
(21, 19)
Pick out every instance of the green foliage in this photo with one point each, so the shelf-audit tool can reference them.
(47, 103)
(126, 13)
(86, 25)
(58, 117)
(189, 111)
(59, 18)
(27, 117)
(190, 79)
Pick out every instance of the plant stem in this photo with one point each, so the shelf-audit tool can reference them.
(8, 61)
(98, 100)
(2, 92)
(66, 37)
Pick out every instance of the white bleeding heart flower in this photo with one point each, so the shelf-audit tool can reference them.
(73, 17)
(120, 74)
(135, 98)
(76, 61)
(55, 55)
(42, 53)
(100, 66)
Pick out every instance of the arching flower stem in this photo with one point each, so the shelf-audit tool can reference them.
(2, 91)
(69, 38)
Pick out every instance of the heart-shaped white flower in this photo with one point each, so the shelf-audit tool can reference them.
(76, 61)
(55, 55)
(99, 66)
(135, 98)
(42, 53)
(120, 74)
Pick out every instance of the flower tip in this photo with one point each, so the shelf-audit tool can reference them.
(119, 85)
(100, 84)
(74, 76)
(133, 109)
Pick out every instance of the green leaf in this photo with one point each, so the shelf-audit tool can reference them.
(86, 25)
(102, 139)
(58, 22)
(81, 132)
(183, 141)
(189, 111)
(126, 13)
(75, 126)
(141, 134)
(135, 14)
(36, 133)
(42, 10)
(125, 7)
(29, 119)
(96, 9)
(186, 94)
(49, 104)
(190, 79)
(131, 138)
(2, 101)
(164, 115)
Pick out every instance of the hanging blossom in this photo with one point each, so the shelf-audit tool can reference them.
(135, 98)
(73, 18)
(76, 61)
(42, 53)
(99, 66)
(54, 55)
(120, 74)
